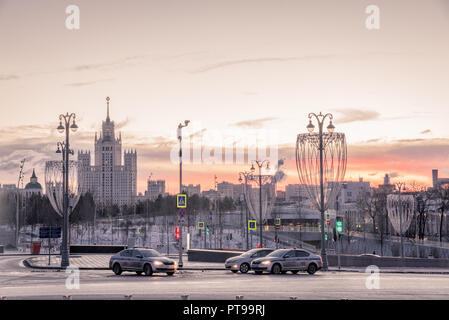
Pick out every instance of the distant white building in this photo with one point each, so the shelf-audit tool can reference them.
(154, 189)
(8, 187)
(351, 191)
(225, 189)
(192, 189)
(110, 180)
(211, 194)
(436, 181)
(296, 192)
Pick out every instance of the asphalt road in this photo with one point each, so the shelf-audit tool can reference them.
(19, 282)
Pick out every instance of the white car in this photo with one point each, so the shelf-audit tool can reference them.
(242, 262)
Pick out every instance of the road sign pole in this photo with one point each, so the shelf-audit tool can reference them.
(338, 251)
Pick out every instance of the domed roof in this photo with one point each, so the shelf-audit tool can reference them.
(33, 185)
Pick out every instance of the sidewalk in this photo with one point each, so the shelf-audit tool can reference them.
(101, 262)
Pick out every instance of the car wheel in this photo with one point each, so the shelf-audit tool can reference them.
(117, 269)
(234, 271)
(258, 272)
(276, 269)
(244, 268)
(147, 269)
(311, 269)
(295, 271)
(170, 273)
(139, 273)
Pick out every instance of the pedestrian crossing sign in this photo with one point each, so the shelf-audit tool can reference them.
(201, 225)
(181, 201)
(251, 224)
(278, 221)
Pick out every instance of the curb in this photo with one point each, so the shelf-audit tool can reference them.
(393, 271)
(32, 266)
(27, 264)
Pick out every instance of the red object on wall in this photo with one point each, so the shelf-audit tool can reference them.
(35, 247)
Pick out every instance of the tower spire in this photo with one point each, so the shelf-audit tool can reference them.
(107, 102)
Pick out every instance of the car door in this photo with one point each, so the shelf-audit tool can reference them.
(137, 260)
(302, 259)
(289, 262)
(125, 259)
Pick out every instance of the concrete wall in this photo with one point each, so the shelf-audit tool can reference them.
(358, 245)
(7, 236)
(386, 262)
(345, 260)
(95, 249)
(211, 255)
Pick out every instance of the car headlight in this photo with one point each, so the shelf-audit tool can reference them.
(157, 263)
(266, 262)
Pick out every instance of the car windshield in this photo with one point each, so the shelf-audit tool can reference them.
(150, 253)
(249, 253)
(278, 253)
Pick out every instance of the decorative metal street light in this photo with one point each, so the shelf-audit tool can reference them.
(400, 211)
(246, 175)
(180, 126)
(67, 127)
(260, 179)
(321, 165)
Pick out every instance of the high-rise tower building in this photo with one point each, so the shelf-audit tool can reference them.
(108, 180)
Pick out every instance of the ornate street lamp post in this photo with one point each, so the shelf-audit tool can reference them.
(246, 175)
(66, 126)
(321, 165)
(400, 211)
(260, 183)
(180, 126)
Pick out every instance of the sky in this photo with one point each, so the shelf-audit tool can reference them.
(233, 68)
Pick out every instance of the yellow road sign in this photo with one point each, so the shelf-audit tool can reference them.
(252, 224)
(181, 201)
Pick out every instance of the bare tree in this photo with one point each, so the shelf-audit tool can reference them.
(442, 194)
(379, 205)
(349, 223)
(423, 201)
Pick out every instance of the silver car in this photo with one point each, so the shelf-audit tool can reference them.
(283, 260)
(242, 262)
(147, 261)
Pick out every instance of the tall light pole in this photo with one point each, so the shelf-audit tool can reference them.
(180, 126)
(66, 126)
(260, 181)
(246, 175)
(314, 153)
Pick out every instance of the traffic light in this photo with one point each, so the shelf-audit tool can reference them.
(339, 225)
(177, 233)
(207, 230)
